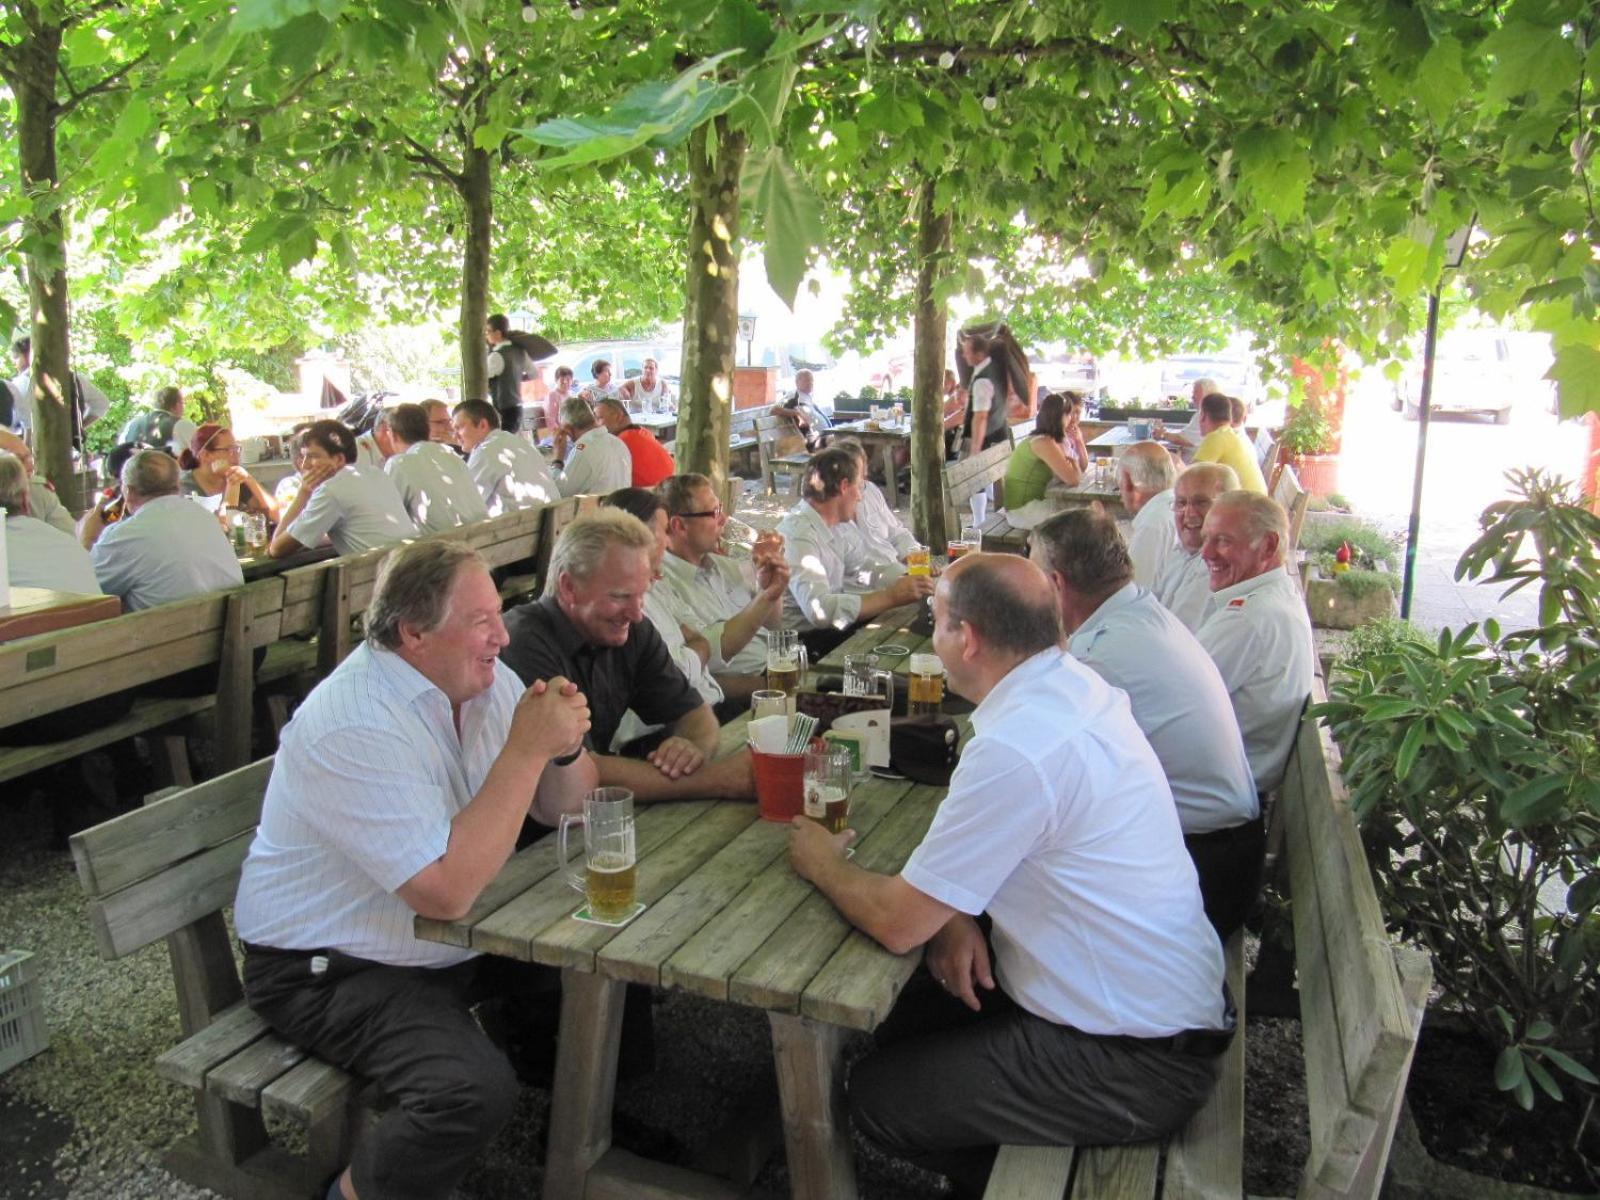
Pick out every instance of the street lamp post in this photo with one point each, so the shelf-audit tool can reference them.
(747, 331)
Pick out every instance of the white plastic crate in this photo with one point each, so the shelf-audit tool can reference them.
(22, 1029)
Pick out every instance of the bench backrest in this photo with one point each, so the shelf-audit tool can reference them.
(968, 476)
(1286, 490)
(153, 871)
(1360, 1007)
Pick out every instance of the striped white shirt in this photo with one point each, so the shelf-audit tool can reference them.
(367, 779)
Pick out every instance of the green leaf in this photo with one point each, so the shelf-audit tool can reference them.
(298, 246)
(1410, 746)
(1540, 1030)
(1576, 372)
(1441, 81)
(1570, 1065)
(1509, 1069)
(1406, 262)
(1138, 17)
(1388, 710)
(791, 218)
(1543, 1078)
(1584, 894)
(1526, 59)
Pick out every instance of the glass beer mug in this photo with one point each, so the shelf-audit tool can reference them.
(926, 693)
(864, 677)
(786, 663)
(827, 788)
(609, 870)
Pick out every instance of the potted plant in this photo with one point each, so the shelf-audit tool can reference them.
(1348, 572)
(1311, 437)
(1169, 409)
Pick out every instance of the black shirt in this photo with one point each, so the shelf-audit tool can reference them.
(639, 674)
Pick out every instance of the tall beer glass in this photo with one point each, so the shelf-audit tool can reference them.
(926, 693)
(786, 663)
(608, 878)
(827, 788)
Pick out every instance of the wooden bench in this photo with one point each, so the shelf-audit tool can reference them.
(967, 477)
(1000, 536)
(1361, 1002)
(743, 452)
(768, 431)
(1286, 490)
(167, 871)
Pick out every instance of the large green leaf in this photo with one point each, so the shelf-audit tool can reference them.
(1441, 81)
(1576, 372)
(791, 219)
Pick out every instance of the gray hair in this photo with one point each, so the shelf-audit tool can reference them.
(999, 614)
(1206, 386)
(584, 543)
(1262, 515)
(612, 402)
(1219, 475)
(414, 587)
(576, 413)
(13, 485)
(151, 473)
(1086, 549)
(1149, 467)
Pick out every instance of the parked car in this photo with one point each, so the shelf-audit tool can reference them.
(1233, 371)
(1473, 372)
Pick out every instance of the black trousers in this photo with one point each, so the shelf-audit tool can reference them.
(947, 1086)
(411, 1030)
(1229, 863)
(510, 419)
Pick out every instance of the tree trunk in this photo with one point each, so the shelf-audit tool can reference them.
(927, 425)
(477, 195)
(38, 62)
(711, 301)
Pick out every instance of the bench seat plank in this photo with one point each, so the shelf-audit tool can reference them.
(145, 717)
(1030, 1173)
(1205, 1159)
(241, 1078)
(188, 1063)
(1117, 1172)
(311, 1091)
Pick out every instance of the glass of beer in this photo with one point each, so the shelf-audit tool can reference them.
(786, 663)
(768, 703)
(608, 877)
(255, 532)
(927, 685)
(827, 788)
(919, 562)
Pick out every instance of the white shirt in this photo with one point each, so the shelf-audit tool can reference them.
(96, 404)
(885, 539)
(40, 556)
(1180, 703)
(183, 431)
(1259, 635)
(643, 399)
(705, 597)
(358, 509)
(597, 463)
(367, 452)
(47, 506)
(821, 562)
(1068, 839)
(1190, 433)
(510, 473)
(1153, 538)
(1184, 586)
(22, 387)
(169, 550)
(367, 778)
(659, 612)
(436, 487)
(982, 390)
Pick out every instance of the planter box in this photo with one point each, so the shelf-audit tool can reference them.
(1173, 416)
(1331, 607)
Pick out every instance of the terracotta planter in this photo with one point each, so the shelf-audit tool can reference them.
(1318, 473)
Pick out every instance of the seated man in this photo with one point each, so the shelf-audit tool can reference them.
(821, 563)
(651, 462)
(689, 650)
(1120, 631)
(648, 392)
(166, 547)
(1060, 827)
(1222, 444)
(589, 626)
(597, 462)
(434, 484)
(509, 470)
(884, 538)
(802, 411)
(1145, 475)
(732, 601)
(399, 791)
(39, 555)
(377, 447)
(1258, 632)
(1184, 584)
(42, 499)
(357, 508)
(1184, 438)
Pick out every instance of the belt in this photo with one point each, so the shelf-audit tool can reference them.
(1201, 1043)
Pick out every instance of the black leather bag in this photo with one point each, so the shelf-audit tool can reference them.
(924, 749)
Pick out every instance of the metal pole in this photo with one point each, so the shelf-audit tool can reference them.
(1423, 405)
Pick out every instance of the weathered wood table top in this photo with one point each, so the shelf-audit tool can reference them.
(40, 610)
(891, 628)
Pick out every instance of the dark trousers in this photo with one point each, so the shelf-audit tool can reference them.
(411, 1030)
(510, 419)
(1229, 862)
(947, 1086)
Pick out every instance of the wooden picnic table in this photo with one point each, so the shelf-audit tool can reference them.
(42, 610)
(663, 425)
(727, 919)
(259, 566)
(892, 628)
(885, 440)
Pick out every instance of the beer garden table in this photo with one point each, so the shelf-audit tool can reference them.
(891, 628)
(885, 439)
(41, 610)
(727, 919)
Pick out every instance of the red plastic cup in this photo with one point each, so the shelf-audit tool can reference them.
(780, 785)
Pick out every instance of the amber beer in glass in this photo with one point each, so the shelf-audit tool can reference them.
(919, 562)
(786, 663)
(926, 694)
(827, 788)
(609, 877)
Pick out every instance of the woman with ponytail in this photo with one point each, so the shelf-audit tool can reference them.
(211, 468)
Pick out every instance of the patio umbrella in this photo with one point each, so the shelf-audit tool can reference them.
(532, 344)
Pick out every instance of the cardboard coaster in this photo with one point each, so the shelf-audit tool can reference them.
(583, 915)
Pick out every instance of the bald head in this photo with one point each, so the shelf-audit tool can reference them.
(1006, 601)
(1144, 472)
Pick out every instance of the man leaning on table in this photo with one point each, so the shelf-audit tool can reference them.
(399, 791)
(590, 627)
(1101, 1016)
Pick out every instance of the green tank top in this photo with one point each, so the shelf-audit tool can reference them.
(1026, 475)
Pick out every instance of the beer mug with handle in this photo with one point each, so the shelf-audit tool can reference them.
(608, 875)
(786, 663)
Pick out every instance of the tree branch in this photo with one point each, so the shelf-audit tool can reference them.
(76, 96)
(424, 157)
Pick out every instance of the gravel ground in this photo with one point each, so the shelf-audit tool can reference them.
(89, 1118)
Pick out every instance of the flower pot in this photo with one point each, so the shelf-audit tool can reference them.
(1176, 416)
(1318, 473)
(1332, 607)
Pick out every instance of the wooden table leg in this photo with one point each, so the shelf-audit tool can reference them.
(891, 477)
(815, 1122)
(585, 1081)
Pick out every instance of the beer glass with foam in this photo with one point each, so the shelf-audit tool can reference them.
(827, 787)
(786, 663)
(926, 689)
(608, 875)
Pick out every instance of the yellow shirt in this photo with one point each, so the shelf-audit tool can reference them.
(1227, 447)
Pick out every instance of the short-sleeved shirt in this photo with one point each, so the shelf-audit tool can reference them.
(1184, 586)
(597, 464)
(47, 506)
(1064, 832)
(357, 509)
(1133, 643)
(705, 597)
(639, 674)
(822, 568)
(1227, 447)
(170, 549)
(885, 538)
(436, 487)
(41, 556)
(651, 462)
(1259, 635)
(369, 774)
(1153, 538)
(510, 473)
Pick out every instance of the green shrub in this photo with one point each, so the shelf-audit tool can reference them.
(1474, 770)
(1368, 542)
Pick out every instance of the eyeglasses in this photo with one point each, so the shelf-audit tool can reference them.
(712, 512)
